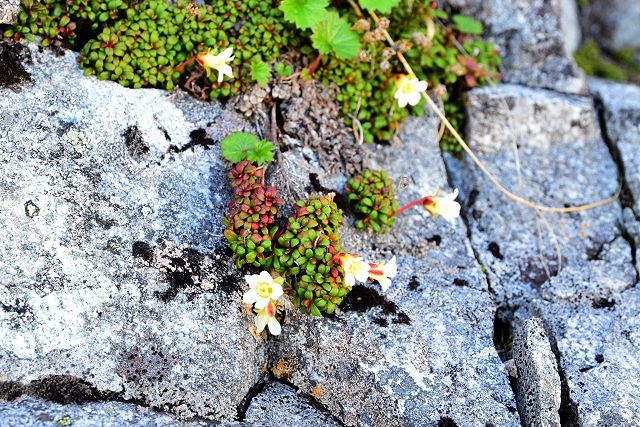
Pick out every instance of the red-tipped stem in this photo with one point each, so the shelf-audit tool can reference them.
(412, 204)
(314, 64)
(185, 63)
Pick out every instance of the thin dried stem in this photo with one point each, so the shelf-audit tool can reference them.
(479, 163)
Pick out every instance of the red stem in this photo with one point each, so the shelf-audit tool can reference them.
(314, 64)
(181, 66)
(410, 205)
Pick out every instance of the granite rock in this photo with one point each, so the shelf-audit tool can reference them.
(111, 268)
(538, 383)
(530, 38)
(612, 23)
(548, 148)
(420, 353)
(9, 11)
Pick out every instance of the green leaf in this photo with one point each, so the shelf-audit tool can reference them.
(467, 25)
(333, 35)
(383, 6)
(283, 70)
(236, 147)
(304, 13)
(262, 152)
(260, 71)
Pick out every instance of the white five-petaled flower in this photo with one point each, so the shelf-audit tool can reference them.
(267, 317)
(409, 90)
(443, 205)
(354, 269)
(383, 272)
(262, 289)
(217, 62)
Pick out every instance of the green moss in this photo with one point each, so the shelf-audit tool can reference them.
(590, 58)
(141, 43)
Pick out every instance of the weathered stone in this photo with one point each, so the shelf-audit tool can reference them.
(561, 159)
(529, 36)
(538, 382)
(613, 23)
(570, 24)
(279, 405)
(9, 11)
(421, 353)
(599, 345)
(28, 412)
(112, 267)
(545, 147)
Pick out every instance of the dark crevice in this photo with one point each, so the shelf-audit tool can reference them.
(255, 390)
(70, 390)
(626, 196)
(362, 299)
(12, 73)
(199, 138)
(260, 386)
(317, 186)
(568, 408)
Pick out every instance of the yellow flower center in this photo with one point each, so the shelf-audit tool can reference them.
(264, 289)
(406, 88)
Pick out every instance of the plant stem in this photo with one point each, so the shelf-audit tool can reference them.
(410, 205)
(315, 63)
(181, 66)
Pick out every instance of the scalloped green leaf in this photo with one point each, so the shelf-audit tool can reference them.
(383, 6)
(467, 25)
(260, 71)
(237, 146)
(334, 35)
(304, 13)
(262, 152)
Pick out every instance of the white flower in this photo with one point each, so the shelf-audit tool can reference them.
(217, 62)
(267, 317)
(384, 272)
(263, 289)
(354, 269)
(409, 90)
(443, 205)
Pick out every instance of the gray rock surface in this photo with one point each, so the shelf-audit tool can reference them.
(9, 11)
(588, 303)
(538, 383)
(599, 344)
(420, 353)
(277, 405)
(28, 412)
(280, 405)
(105, 273)
(530, 38)
(613, 23)
(545, 147)
(570, 24)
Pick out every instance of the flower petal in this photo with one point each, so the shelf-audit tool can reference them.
(250, 296)
(262, 303)
(261, 321)
(274, 326)
(276, 292)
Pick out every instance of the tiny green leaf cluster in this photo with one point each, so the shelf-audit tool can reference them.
(241, 146)
(371, 195)
(366, 86)
(140, 43)
(307, 255)
(250, 225)
(304, 251)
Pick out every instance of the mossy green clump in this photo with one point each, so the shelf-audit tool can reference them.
(144, 43)
(249, 227)
(139, 44)
(306, 255)
(367, 85)
(373, 201)
(620, 66)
